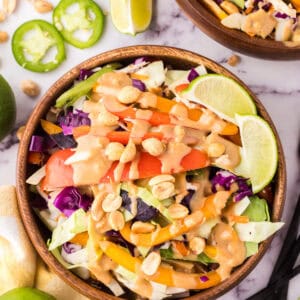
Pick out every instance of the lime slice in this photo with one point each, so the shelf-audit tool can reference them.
(7, 108)
(259, 154)
(26, 293)
(131, 16)
(222, 95)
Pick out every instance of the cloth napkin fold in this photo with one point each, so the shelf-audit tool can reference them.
(20, 266)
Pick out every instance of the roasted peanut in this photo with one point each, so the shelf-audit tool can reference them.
(2, 16)
(129, 94)
(116, 220)
(3, 36)
(179, 133)
(128, 153)
(178, 211)
(197, 245)
(215, 149)
(96, 210)
(20, 132)
(111, 203)
(30, 88)
(161, 178)
(42, 6)
(229, 7)
(151, 263)
(114, 151)
(163, 190)
(142, 227)
(233, 60)
(153, 146)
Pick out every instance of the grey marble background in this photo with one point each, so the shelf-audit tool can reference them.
(276, 83)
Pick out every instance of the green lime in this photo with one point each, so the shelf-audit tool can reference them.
(222, 95)
(7, 108)
(131, 16)
(26, 293)
(259, 153)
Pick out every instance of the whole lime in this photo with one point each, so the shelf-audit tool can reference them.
(7, 108)
(26, 293)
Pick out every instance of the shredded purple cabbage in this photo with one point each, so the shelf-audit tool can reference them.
(204, 278)
(73, 119)
(144, 211)
(70, 247)
(139, 85)
(281, 15)
(38, 202)
(187, 199)
(141, 60)
(266, 7)
(63, 141)
(84, 74)
(36, 143)
(225, 179)
(192, 75)
(116, 237)
(70, 199)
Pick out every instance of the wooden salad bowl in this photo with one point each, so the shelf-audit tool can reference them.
(179, 59)
(236, 39)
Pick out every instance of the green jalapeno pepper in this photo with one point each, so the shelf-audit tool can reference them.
(32, 42)
(74, 19)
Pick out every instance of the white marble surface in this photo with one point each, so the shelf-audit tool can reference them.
(277, 84)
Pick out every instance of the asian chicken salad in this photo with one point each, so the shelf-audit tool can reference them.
(148, 183)
(274, 19)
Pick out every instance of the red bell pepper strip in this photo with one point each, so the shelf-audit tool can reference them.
(60, 175)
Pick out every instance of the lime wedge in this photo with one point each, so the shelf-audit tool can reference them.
(222, 95)
(7, 108)
(131, 16)
(259, 154)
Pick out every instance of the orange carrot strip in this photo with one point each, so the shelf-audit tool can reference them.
(50, 127)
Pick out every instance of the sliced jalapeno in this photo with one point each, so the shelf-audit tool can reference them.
(80, 22)
(33, 43)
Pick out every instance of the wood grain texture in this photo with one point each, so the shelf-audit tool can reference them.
(235, 39)
(179, 59)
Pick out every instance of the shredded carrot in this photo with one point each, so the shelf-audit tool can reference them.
(179, 88)
(239, 219)
(181, 248)
(80, 131)
(139, 76)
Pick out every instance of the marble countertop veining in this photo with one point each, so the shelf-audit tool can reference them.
(277, 83)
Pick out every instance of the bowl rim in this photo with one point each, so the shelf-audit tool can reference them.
(235, 39)
(131, 52)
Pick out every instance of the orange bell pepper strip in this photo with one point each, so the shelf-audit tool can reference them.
(60, 175)
(212, 205)
(123, 137)
(164, 275)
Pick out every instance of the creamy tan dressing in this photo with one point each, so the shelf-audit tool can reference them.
(173, 156)
(143, 287)
(147, 100)
(231, 157)
(179, 110)
(89, 161)
(112, 104)
(139, 128)
(134, 170)
(231, 251)
(144, 114)
(112, 82)
(203, 189)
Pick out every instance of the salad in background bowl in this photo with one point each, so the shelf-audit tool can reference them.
(155, 174)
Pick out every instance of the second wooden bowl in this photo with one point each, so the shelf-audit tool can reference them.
(235, 39)
(178, 59)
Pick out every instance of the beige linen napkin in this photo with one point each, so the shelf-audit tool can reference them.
(19, 265)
